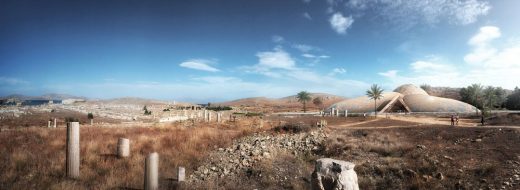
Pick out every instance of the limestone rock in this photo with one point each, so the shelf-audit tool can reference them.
(334, 174)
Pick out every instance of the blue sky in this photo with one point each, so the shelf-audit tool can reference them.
(221, 50)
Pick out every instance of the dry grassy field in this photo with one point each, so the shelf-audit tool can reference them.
(402, 156)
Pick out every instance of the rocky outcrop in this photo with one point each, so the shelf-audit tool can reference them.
(331, 174)
(247, 151)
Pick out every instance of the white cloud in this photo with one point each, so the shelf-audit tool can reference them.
(199, 64)
(337, 71)
(308, 55)
(482, 49)
(340, 23)
(304, 47)
(407, 14)
(485, 64)
(275, 59)
(390, 73)
(307, 16)
(12, 81)
(277, 39)
(429, 67)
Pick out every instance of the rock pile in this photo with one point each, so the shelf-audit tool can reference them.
(247, 151)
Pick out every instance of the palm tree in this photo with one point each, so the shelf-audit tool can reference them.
(303, 97)
(375, 93)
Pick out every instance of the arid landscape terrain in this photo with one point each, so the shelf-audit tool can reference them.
(263, 151)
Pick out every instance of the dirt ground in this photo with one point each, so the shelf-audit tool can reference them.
(389, 153)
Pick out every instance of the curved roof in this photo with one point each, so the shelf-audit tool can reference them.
(363, 103)
(414, 98)
(426, 103)
(409, 89)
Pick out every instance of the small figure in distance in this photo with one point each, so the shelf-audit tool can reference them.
(452, 119)
(482, 119)
(457, 120)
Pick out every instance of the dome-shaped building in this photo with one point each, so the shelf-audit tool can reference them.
(405, 98)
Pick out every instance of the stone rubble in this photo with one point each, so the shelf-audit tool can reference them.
(247, 151)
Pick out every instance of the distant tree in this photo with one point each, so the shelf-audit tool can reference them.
(303, 97)
(90, 116)
(375, 93)
(493, 97)
(513, 100)
(473, 95)
(167, 109)
(426, 87)
(209, 104)
(317, 102)
(146, 111)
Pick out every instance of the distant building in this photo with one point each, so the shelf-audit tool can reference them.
(71, 101)
(406, 98)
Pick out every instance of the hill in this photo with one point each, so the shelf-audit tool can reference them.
(289, 103)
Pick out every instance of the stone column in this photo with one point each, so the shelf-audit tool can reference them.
(49, 124)
(181, 174)
(209, 116)
(332, 112)
(346, 113)
(151, 172)
(205, 115)
(123, 147)
(54, 122)
(72, 159)
(219, 119)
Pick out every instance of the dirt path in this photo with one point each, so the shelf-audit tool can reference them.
(421, 121)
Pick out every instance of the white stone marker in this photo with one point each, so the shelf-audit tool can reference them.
(181, 174)
(55, 123)
(151, 172)
(219, 117)
(72, 159)
(209, 116)
(49, 124)
(334, 174)
(205, 115)
(332, 112)
(123, 147)
(346, 113)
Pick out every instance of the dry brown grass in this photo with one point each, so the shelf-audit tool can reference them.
(33, 158)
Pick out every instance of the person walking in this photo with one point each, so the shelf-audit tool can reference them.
(452, 120)
(457, 120)
(482, 119)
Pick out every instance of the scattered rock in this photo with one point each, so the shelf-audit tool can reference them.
(410, 173)
(439, 176)
(334, 174)
(247, 151)
(420, 146)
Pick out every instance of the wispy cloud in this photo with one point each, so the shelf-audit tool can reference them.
(336, 71)
(389, 74)
(485, 64)
(307, 16)
(340, 23)
(277, 39)
(199, 64)
(409, 13)
(480, 42)
(12, 81)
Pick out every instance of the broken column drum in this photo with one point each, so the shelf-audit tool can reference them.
(123, 147)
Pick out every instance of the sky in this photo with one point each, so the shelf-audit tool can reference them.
(218, 50)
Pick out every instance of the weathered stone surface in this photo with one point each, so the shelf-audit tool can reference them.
(334, 174)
